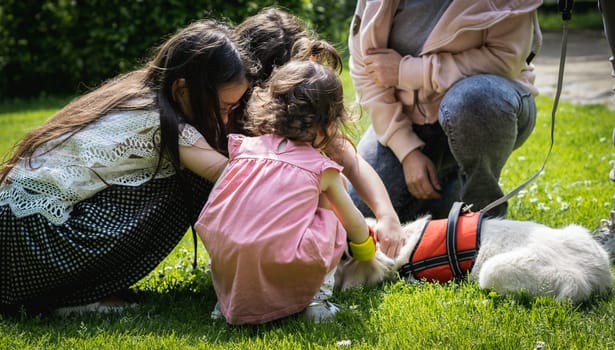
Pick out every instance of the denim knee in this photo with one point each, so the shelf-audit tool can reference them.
(489, 106)
(487, 114)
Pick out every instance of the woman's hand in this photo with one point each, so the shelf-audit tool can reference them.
(382, 66)
(421, 176)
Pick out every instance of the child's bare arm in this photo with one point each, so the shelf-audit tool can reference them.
(371, 189)
(350, 217)
(203, 160)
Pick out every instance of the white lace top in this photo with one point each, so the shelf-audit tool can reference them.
(120, 149)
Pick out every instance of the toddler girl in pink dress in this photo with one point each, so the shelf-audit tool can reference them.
(279, 217)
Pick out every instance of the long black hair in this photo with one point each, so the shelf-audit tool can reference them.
(203, 53)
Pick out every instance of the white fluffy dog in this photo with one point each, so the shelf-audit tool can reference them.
(512, 256)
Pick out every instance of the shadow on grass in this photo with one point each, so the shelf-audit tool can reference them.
(182, 313)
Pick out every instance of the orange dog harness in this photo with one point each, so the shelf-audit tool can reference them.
(447, 248)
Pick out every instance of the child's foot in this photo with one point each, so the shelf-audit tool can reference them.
(110, 304)
(216, 314)
(321, 310)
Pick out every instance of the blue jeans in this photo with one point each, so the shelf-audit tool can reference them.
(482, 119)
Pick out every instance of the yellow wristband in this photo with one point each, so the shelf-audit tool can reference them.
(363, 251)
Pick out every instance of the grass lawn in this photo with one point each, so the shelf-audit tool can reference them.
(174, 314)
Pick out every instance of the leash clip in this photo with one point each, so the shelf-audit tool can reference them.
(467, 209)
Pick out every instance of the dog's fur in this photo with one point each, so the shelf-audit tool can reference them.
(514, 256)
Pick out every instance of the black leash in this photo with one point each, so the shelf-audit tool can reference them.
(195, 241)
(566, 7)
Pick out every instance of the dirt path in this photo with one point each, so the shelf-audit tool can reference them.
(587, 71)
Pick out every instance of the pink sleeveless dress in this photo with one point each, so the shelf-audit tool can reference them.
(269, 242)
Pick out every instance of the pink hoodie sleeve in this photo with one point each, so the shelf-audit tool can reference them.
(391, 125)
(505, 46)
(500, 47)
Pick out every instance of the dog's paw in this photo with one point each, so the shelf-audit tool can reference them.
(353, 273)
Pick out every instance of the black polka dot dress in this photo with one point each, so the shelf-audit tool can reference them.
(109, 242)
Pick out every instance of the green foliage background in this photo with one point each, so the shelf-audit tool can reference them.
(64, 47)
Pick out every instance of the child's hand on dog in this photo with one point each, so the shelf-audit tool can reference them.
(390, 236)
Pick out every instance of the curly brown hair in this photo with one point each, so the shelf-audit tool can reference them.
(273, 37)
(301, 99)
